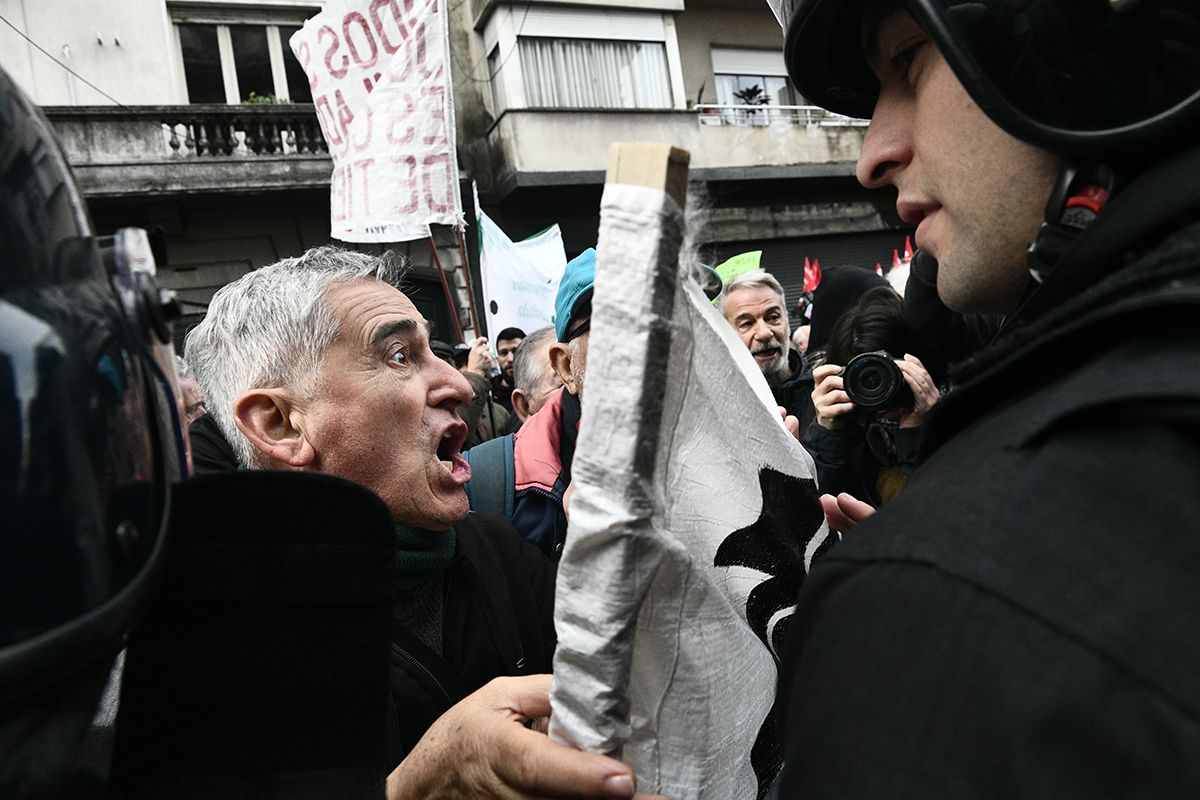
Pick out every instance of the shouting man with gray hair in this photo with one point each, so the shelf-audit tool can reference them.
(753, 303)
(320, 364)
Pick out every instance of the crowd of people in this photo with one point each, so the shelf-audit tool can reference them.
(1008, 447)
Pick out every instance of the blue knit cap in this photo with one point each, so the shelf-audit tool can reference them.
(577, 282)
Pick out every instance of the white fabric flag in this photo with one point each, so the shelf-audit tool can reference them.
(694, 517)
(520, 279)
(380, 78)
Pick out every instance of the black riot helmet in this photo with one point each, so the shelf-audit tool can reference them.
(1092, 79)
(89, 443)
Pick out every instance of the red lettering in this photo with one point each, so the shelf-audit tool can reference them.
(437, 111)
(410, 181)
(328, 121)
(367, 125)
(401, 65)
(364, 167)
(437, 206)
(344, 117)
(304, 56)
(425, 73)
(401, 33)
(338, 194)
(337, 73)
(399, 132)
(355, 19)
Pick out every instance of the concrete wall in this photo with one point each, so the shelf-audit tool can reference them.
(125, 48)
(552, 141)
(117, 152)
(700, 28)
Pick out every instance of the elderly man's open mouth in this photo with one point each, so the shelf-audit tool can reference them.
(449, 452)
(767, 353)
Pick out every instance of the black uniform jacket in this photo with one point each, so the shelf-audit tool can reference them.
(1021, 621)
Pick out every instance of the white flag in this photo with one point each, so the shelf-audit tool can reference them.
(380, 78)
(520, 279)
(695, 515)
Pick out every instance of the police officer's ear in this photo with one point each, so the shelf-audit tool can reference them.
(274, 427)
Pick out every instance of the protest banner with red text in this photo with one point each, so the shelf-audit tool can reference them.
(380, 77)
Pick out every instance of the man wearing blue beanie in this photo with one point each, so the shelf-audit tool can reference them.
(529, 486)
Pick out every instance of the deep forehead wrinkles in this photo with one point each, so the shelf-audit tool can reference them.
(371, 311)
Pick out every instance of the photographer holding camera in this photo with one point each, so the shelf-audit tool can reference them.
(871, 399)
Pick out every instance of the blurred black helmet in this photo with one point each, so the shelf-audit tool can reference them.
(89, 431)
(1086, 78)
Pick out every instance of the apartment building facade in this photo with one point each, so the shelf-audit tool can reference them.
(193, 117)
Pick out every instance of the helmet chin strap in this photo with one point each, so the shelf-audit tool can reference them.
(1080, 195)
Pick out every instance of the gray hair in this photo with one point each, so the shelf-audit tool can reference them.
(755, 279)
(271, 328)
(182, 370)
(527, 372)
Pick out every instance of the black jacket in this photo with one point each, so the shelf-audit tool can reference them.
(852, 458)
(497, 620)
(795, 394)
(1021, 620)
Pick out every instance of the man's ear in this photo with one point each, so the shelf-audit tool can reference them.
(520, 404)
(265, 417)
(560, 362)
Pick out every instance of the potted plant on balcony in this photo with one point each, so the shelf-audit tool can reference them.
(752, 96)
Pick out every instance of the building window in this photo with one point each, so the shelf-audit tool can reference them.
(751, 77)
(572, 57)
(587, 73)
(240, 56)
(495, 62)
(756, 90)
(202, 63)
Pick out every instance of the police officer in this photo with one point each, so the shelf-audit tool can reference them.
(1020, 621)
(90, 441)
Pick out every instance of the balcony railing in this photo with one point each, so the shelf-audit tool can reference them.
(119, 151)
(217, 131)
(763, 116)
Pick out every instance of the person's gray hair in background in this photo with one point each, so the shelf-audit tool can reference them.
(528, 373)
(534, 377)
(271, 328)
(753, 280)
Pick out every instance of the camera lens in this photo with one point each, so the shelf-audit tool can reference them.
(875, 383)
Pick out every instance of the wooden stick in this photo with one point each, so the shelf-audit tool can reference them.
(446, 288)
(654, 166)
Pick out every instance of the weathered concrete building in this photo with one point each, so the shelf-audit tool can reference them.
(192, 117)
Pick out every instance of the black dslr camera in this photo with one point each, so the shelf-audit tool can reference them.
(875, 383)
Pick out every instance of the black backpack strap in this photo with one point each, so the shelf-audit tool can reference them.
(493, 476)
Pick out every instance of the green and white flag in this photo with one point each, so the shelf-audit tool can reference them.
(520, 279)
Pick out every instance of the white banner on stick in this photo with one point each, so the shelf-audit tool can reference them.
(694, 518)
(520, 279)
(380, 77)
